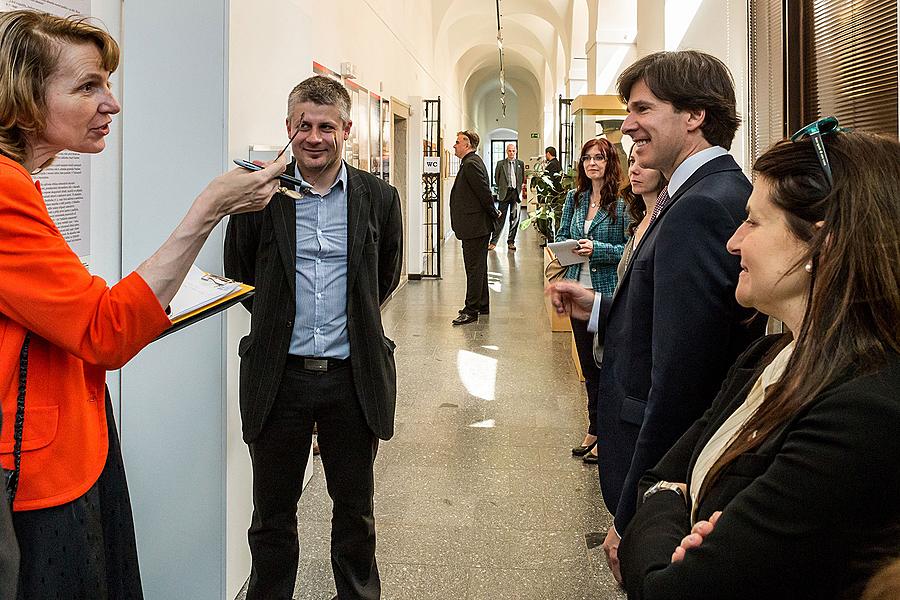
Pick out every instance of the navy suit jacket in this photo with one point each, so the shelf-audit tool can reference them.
(671, 331)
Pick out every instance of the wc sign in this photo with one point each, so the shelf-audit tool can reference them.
(432, 164)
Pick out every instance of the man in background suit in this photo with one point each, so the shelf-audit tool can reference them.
(509, 175)
(553, 169)
(472, 217)
(323, 261)
(673, 321)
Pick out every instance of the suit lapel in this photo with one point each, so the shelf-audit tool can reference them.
(581, 209)
(720, 163)
(599, 218)
(284, 217)
(357, 221)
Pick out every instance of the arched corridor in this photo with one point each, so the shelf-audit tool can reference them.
(477, 495)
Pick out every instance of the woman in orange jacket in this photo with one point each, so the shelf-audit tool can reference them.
(61, 329)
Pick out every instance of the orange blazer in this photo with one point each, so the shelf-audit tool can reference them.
(80, 328)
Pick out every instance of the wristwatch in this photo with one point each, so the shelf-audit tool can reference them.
(663, 485)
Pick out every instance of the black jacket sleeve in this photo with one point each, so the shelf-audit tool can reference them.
(795, 530)
(390, 249)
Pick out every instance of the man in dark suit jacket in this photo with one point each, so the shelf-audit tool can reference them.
(552, 169)
(472, 217)
(509, 176)
(323, 261)
(673, 327)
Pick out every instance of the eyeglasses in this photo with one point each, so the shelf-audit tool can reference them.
(598, 158)
(816, 131)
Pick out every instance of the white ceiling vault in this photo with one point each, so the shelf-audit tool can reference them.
(537, 45)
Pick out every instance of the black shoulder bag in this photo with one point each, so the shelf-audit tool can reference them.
(12, 477)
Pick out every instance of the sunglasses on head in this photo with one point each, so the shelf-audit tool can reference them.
(816, 131)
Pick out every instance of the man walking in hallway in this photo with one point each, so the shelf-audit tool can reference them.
(323, 258)
(673, 327)
(509, 175)
(472, 217)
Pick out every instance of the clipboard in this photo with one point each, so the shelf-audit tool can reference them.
(243, 292)
(563, 251)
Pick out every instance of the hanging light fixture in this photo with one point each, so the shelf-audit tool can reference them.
(502, 75)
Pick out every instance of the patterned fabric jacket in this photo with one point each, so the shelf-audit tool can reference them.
(608, 237)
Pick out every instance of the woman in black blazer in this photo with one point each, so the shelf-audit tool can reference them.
(789, 485)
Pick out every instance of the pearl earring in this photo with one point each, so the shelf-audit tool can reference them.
(808, 267)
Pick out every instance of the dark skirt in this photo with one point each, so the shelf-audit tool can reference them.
(84, 549)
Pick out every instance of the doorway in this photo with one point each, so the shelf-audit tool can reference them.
(400, 153)
(498, 153)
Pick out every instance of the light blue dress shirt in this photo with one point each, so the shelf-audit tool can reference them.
(320, 321)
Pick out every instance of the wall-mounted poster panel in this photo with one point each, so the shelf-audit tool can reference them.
(386, 140)
(375, 134)
(359, 133)
(66, 184)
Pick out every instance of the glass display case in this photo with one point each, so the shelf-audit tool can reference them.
(598, 116)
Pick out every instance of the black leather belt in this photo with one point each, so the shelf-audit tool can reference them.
(316, 365)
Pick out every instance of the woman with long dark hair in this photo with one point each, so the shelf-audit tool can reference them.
(594, 215)
(640, 195)
(788, 486)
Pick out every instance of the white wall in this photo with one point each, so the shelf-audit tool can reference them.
(721, 29)
(173, 411)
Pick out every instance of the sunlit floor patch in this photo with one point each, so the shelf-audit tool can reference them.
(478, 373)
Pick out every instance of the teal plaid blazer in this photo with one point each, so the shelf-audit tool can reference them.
(609, 239)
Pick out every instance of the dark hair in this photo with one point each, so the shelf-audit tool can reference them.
(689, 80)
(30, 44)
(551, 151)
(611, 176)
(321, 90)
(853, 311)
(471, 136)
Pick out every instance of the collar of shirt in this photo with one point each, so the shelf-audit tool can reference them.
(775, 369)
(341, 178)
(690, 165)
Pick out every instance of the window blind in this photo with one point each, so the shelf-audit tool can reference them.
(767, 118)
(849, 63)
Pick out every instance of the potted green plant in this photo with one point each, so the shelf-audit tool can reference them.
(550, 189)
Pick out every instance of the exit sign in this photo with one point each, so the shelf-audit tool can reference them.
(534, 135)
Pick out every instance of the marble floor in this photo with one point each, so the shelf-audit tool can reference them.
(477, 495)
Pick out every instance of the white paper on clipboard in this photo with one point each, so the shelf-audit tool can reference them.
(563, 251)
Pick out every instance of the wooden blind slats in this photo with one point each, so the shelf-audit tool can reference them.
(849, 63)
(766, 117)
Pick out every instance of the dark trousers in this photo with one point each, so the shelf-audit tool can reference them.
(584, 344)
(279, 456)
(475, 259)
(509, 205)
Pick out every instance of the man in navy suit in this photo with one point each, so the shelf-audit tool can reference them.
(673, 327)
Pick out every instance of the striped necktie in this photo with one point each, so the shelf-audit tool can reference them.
(662, 201)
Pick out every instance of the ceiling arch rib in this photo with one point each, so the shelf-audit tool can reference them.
(547, 16)
(484, 55)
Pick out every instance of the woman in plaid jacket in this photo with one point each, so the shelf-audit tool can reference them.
(594, 215)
